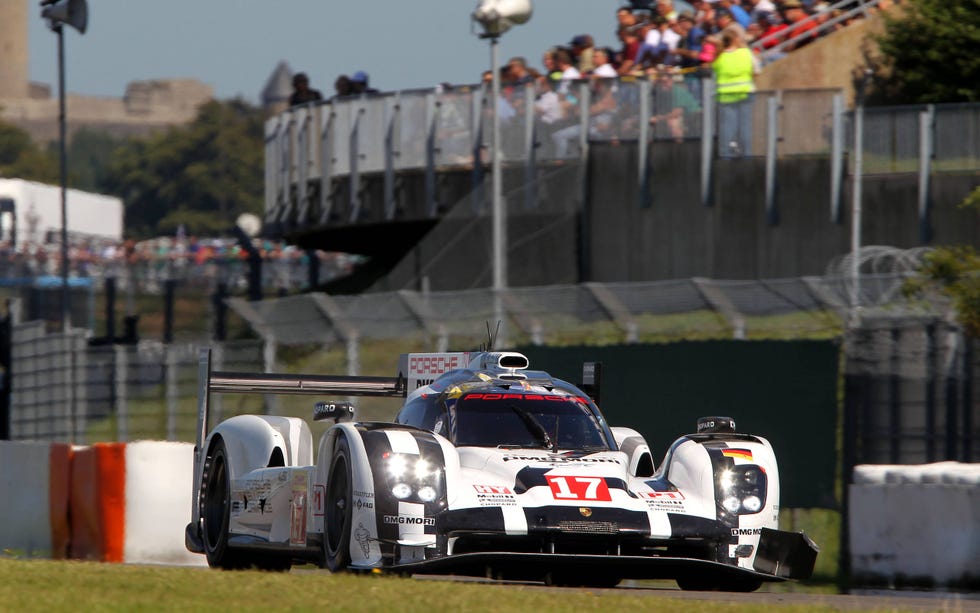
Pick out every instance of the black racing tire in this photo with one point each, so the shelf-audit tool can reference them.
(216, 512)
(339, 509)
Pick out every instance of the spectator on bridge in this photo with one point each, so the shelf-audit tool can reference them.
(740, 15)
(603, 69)
(672, 103)
(687, 55)
(726, 23)
(653, 49)
(302, 92)
(629, 54)
(583, 48)
(360, 85)
(802, 29)
(342, 87)
(758, 8)
(734, 69)
(517, 72)
(566, 64)
(771, 26)
(550, 66)
(626, 18)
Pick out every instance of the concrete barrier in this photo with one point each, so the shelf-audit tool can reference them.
(113, 502)
(915, 525)
(25, 517)
(158, 503)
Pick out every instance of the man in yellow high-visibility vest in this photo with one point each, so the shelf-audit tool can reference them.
(734, 68)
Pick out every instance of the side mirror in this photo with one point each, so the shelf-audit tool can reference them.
(337, 411)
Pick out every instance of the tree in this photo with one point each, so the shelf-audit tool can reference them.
(202, 175)
(930, 53)
(20, 158)
(953, 272)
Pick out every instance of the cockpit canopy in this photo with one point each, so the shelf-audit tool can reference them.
(487, 416)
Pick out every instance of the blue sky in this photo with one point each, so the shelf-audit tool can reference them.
(234, 45)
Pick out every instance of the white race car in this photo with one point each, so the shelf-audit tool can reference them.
(489, 469)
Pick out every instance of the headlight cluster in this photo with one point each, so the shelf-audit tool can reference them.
(411, 475)
(742, 489)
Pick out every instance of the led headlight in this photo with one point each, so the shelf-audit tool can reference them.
(427, 493)
(752, 504)
(401, 491)
(397, 464)
(422, 469)
(731, 504)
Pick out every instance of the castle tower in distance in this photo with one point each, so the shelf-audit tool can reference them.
(13, 49)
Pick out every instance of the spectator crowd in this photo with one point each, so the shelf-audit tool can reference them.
(184, 258)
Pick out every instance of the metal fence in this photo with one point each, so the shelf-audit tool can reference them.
(309, 149)
(909, 373)
(65, 390)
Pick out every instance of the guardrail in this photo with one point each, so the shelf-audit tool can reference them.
(318, 155)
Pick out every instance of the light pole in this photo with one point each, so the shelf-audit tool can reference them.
(496, 17)
(75, 14)
(856, 205)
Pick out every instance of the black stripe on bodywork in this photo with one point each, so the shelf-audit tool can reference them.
(477, 519)
(377, 446)
(690, 526)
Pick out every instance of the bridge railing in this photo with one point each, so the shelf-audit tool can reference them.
(318, 154)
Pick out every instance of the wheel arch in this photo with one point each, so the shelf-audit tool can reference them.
(253, 441)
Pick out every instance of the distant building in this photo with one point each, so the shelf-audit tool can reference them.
(278, 87)
(146, 105)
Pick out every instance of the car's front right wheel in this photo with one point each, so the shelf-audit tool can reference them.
(339, 510)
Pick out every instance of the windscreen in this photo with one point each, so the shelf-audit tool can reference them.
(542, 421)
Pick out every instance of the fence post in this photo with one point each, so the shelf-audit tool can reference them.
(643, 144)
(119, 385)
(327, 117)
(926, 152)
(772, 138)
(707, 137)
(80, 389)
(431, 121)
(836, 157)
(530, 150)
(392, 128)
(170, 381)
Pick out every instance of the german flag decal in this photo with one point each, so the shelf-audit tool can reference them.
(741, 454)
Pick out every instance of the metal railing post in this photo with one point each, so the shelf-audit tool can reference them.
(431, 120)
(643, 143)
(328, 118)
(772, 139)
(836, 157)
(927, 120)
(355, 174)
(707, 137)
(392, 129)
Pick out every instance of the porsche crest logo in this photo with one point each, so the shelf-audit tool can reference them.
(585, 511)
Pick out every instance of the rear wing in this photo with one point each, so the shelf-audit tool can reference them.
(267, 383)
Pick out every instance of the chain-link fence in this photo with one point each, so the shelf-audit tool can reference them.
(66, 390)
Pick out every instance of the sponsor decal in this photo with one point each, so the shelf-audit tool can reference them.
(407, 520)
(363, 538)
(552, 397)
(663, 501)
(495, 496)
(578, 488)
(318, 500)
(297, 508)
(746, 531)
(711, 424)
(553, 458)
(741, 454)
(360, 503)
(493, 489)
(433, 364)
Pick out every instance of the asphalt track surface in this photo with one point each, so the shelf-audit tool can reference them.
(869, 600)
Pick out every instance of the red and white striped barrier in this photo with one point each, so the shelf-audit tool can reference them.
(114, 502)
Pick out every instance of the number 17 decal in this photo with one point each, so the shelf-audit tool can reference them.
(578, 488)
